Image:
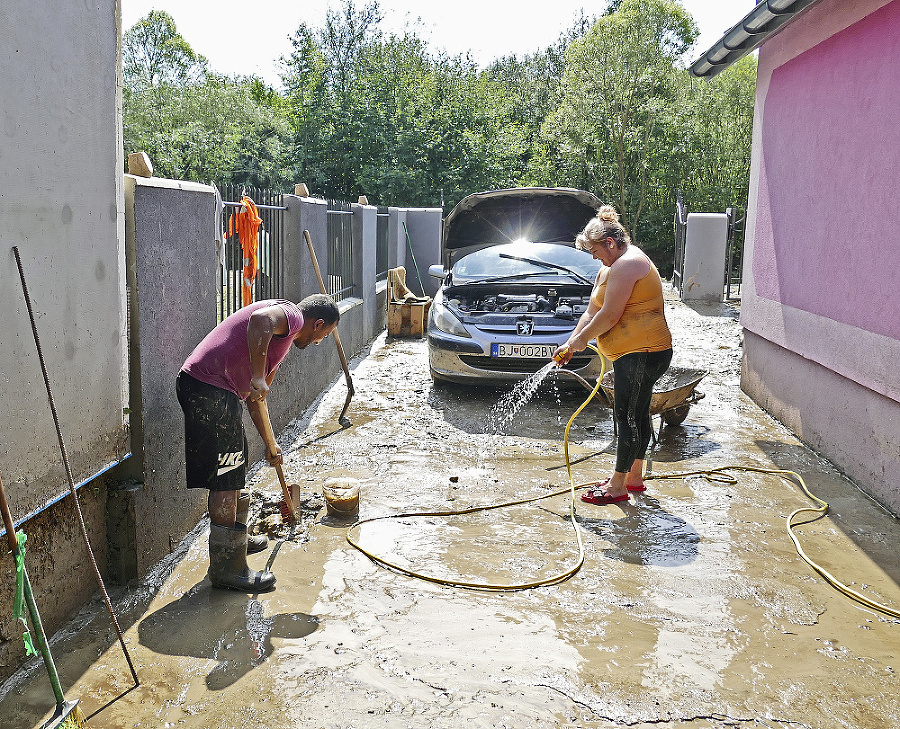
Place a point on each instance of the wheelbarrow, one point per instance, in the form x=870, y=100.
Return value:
x=673, y=395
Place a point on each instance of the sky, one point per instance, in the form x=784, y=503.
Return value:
x=236, y=42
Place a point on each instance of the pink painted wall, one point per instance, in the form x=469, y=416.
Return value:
x=820, y=303
x=822, y=254
x=828, y=239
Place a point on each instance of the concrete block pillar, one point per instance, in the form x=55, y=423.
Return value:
x=424, y=226
x=294, y=248
x=305, y=214
x=705, y=246
x=171, y=255
x=365, y=263
x=396, y=237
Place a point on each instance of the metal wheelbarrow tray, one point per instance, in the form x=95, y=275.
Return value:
x=672, y=397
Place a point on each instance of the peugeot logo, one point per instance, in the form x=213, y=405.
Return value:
x=524, y=327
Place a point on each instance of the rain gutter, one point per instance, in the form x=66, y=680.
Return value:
x=760, y=24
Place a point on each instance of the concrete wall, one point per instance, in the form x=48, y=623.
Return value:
x=305, y=374
x=172, y=281
x=819, y=297
x=424, y=226
x=171, y=257
x=61, y=204
x=706, y=240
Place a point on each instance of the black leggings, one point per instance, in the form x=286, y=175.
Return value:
x=635, y=375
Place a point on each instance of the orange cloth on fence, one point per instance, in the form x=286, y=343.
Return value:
x=246, y=224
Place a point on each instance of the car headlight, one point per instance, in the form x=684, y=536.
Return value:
x=444, y=320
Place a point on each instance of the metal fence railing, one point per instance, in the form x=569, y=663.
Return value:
x=269, y=281
x=382, y=258
x=680, y=236
x=339, y=283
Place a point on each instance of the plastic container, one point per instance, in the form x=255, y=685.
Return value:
x=341, y=497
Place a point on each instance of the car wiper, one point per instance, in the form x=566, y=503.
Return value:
x=508, y=277
x=545, y=264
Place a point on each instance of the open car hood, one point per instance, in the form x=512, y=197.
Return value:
x=540, y=214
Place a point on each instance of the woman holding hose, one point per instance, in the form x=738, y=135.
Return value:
x=626, y=315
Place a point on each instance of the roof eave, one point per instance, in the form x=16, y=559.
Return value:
x=760, y=24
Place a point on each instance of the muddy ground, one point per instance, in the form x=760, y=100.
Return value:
x=692, y=607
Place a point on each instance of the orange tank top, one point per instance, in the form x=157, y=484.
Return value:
x=643, y=326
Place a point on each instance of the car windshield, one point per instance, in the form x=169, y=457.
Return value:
x=506, y=260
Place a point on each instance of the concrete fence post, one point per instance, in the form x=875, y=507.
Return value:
x=705, y=246
x=424, y=227
x=365, y=263
x=396, y=237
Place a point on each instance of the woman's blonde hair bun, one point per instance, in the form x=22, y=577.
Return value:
x=608, y=214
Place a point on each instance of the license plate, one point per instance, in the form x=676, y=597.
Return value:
x=523, y=351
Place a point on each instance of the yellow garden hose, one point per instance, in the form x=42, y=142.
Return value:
x=553, y=579
x=718, y=475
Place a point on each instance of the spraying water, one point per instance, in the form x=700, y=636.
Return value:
x=511, y=403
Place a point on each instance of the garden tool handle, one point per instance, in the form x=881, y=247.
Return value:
x=36, y=624
x=7, y=521
x=342, y=419
x=269, y=439
x=337, y=338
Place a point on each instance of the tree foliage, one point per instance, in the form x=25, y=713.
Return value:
x=618, y=93
x=193, y=123
x=607, y=107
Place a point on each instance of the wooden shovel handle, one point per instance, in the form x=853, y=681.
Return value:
x=337, y=338
x=7, y=521
x=269, y=439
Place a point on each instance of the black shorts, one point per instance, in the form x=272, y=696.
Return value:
x=215, y=445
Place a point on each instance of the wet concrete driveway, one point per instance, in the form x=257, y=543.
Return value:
x=692, y=607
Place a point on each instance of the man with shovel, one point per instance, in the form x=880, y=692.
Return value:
x=237, y=361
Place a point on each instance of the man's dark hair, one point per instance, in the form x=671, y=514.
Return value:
x=320, y=306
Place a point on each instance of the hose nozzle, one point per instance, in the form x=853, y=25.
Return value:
x=560, y=355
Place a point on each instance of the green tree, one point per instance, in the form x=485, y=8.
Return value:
x=195, y=124
x=529, y=90
x=608, y=107
x=155, y=54
x=378, y=114
x=321, y=77
x=617, y=94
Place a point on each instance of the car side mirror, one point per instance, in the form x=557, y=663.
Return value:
x=437, y=271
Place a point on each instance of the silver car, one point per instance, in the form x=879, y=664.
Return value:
x=513, y=285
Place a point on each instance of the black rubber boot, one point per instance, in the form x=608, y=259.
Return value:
x=228, y=562
x=255, y=542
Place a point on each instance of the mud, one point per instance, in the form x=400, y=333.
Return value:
x=692, y=608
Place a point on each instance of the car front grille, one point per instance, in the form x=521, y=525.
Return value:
x=520, y=366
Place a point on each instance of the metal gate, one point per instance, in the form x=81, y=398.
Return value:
x=680, y=236
x=734, y=258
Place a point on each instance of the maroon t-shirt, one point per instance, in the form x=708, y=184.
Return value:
x=222, y=359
